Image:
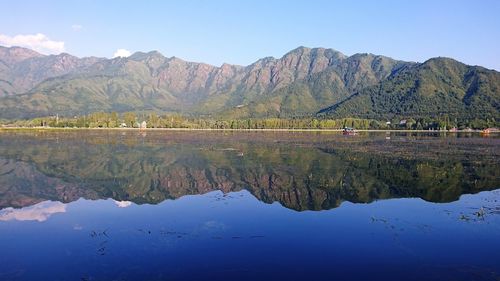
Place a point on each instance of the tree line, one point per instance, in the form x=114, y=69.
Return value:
x=154, y=120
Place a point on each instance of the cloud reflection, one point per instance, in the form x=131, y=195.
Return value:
x=123, y=204
x=38, y=212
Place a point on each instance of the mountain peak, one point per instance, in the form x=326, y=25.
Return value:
x=440, y=61
x=314, y=52
x=139, y=56
x=11, y=55
x=298, y=50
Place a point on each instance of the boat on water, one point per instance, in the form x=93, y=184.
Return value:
x=490, y=131
x=348, y=131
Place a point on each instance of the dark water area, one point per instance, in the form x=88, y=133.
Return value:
x=163, y=205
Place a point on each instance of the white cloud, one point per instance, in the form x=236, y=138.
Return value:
x=38, y=212
x=121, y=53
x=38, y=42
x=77, y=27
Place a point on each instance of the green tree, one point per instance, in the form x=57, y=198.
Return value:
x=130, y=119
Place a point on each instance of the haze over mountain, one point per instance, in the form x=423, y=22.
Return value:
x=304, y=82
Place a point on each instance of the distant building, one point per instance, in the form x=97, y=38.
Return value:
x=402, y=122
x=388, y=123
x=123, y=125
x=143, y=125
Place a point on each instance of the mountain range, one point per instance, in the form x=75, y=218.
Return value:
x=304, y=82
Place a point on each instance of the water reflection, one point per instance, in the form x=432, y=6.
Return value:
x=234, y=236
x=123, y=204
x=38, y=212
x=300, y=171
x=245, y=206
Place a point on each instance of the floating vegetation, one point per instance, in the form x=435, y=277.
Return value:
x=95, y=233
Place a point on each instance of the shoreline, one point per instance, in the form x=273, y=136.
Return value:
x=225, y=130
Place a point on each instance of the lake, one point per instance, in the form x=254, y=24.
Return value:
x=173, y=205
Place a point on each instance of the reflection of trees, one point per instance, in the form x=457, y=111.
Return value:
x=312, y=176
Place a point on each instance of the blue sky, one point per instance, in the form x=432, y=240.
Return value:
x=241, y=32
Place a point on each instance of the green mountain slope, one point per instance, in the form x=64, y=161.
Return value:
x=302, y=83
x=436, y=87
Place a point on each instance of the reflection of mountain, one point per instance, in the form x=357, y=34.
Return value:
x=301, y=174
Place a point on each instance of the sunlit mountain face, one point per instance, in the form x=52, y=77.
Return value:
x=304, y=82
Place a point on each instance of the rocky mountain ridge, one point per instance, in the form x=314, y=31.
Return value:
x=303, y=82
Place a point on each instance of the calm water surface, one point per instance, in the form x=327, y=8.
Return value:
x=125, y=205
